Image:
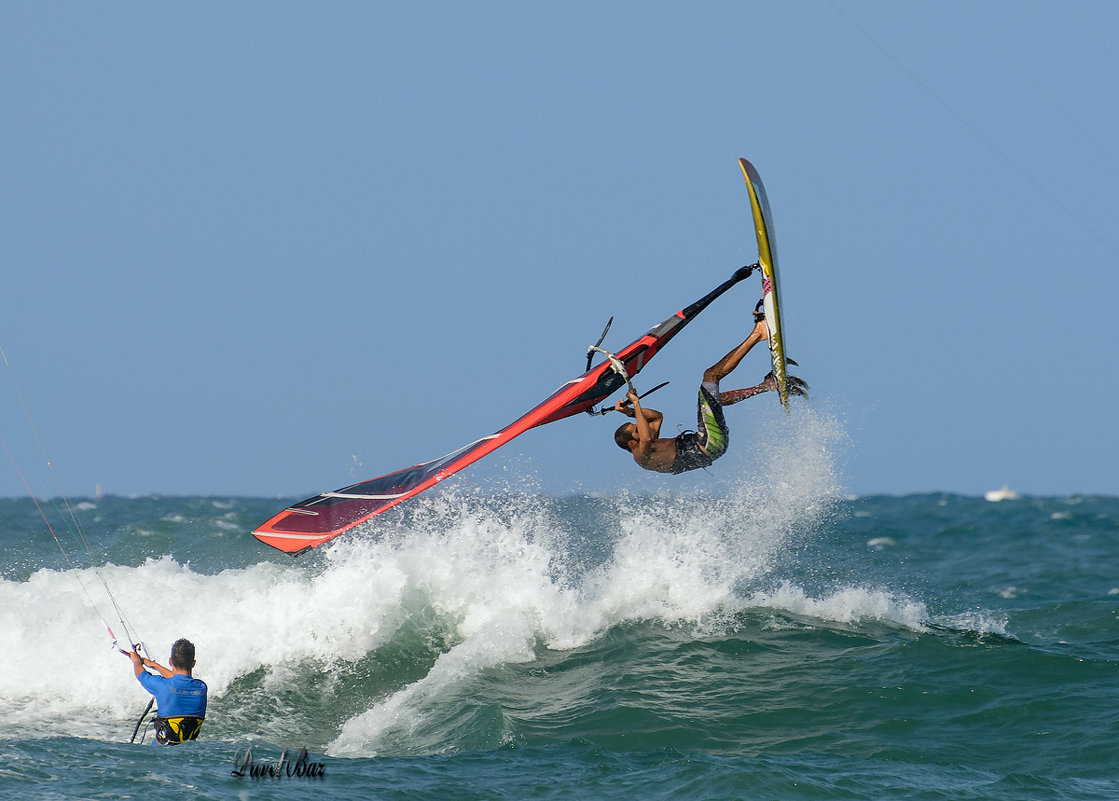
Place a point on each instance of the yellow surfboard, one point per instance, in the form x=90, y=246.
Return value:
x=767, y=259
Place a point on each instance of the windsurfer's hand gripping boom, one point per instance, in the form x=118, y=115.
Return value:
x=623, y=406
x=648, y=420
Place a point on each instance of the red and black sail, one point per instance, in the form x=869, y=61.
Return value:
x=316, y=520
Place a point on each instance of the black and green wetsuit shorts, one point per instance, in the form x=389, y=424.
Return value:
x=699, y=448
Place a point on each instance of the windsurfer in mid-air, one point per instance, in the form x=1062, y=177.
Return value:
x=694, y=449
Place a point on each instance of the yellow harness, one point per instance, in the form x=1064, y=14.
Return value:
x=172, y=731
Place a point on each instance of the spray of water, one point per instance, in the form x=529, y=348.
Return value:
x=466, y=582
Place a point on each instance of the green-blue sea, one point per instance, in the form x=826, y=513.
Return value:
x=781, y=641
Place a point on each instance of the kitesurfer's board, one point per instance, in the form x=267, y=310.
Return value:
x=767, y=259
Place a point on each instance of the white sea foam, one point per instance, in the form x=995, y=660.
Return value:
x=502, y=578
x=674, y=559
x=56, y=664
x=847, y=605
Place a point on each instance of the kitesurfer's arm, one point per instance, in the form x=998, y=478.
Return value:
x=164, y=672
x=139, y=663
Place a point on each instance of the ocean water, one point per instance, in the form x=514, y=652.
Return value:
x=779, y=640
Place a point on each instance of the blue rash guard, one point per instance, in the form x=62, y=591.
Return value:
x=177, y=696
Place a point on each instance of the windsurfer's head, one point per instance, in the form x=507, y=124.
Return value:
x=182, y=655
x=625, y=435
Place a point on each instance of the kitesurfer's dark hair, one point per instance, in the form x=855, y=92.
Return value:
x=182, y=654
x=624, y=436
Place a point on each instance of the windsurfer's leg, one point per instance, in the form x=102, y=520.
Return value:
x=725, y=365
x=732, y=396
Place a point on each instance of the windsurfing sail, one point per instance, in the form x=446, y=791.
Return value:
x=316, y=520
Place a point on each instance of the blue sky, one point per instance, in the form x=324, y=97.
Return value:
x=268, y=248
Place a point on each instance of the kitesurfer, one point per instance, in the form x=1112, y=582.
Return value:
x=179, y=697
x=693, y=449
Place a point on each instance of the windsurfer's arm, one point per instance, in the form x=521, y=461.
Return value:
x=648, y=425
x=648, y=420
x=629, y=408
